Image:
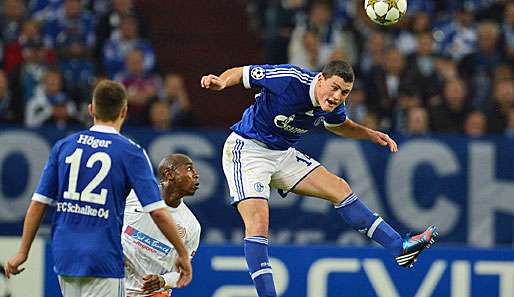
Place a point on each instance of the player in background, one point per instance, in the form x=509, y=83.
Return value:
x=149, y=257
x=88, y=177
x=260, y=153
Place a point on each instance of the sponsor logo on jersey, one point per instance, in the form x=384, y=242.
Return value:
x=283, y=122
x=319, y=121
x=146, y=242
x=257, y=73
x=181, y=231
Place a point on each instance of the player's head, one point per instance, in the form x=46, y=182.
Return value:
x=109, y=102
x=334, y=85
x=178, y=173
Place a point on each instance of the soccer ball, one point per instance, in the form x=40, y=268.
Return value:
x=385, y=12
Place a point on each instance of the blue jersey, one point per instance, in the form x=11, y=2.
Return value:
x=88, y=176
x=285, y=108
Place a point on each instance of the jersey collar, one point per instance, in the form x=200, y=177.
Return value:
x=311, y=90
x=103, y=129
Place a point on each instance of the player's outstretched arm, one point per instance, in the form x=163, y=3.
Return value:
x=167, y=225
x=31, y=224
x=229, y=78
x=353, y=130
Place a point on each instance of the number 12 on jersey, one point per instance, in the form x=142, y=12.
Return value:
x=86, y=195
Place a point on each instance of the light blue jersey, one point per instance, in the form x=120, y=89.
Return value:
x=285, y=108
x=87, y=177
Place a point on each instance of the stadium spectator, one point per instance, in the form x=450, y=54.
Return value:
x=422, y=69
x=31, y=71
x=498, y=111
x=109, y=23
x=10, y=107
x=116, y=49
x=417, y=122
x=61, y=118
x=407, y=100
x=159, y=116
x=39, y=107
x=14, y=50
x=458, y=37
x=308, y=53
x=475, y=124
x=373, y=53
x=277, y=20
x=11, y=20
x=142, y=87
x=418, y=23
x=78, y=69
x=71, y=20
x=320, y=21
x=42, y=10
x=385, y=82
x=449, y=115
x=477, y=68
x=175, y=93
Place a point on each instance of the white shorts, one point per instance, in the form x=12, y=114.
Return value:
x=91, y=286
x=251, y=168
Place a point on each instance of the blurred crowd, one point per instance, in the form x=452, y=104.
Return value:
x=446, y=67
x=54, y=51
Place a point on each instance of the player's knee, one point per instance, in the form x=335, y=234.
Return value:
x=257, y=228
x=340, y=194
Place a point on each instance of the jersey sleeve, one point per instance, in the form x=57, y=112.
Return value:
x=48, y=187
x=337, y=117
x=142, y=180
x=274, y=78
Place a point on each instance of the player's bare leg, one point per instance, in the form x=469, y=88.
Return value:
x=321, y=183
x=255, y=215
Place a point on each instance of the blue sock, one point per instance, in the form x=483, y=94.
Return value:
x=256, y=252
x=356, y=214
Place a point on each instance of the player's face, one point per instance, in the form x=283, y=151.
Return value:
x=332, y=92
x=187, y=179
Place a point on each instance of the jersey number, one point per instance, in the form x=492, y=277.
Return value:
x=87, y=195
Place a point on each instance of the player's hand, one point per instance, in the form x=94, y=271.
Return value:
x=152, y=283
x=383, y=140
x=183, y=264
x=212, y=82
x=12, y=267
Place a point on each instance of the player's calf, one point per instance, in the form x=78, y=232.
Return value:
x=256, y=252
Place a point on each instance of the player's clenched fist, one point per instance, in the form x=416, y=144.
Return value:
x=212, y=82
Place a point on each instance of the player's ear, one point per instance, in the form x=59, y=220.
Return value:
x=90, y=109
x=170, y=174
x=123, y=112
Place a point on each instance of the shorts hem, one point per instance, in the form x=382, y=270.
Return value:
x=284, y=193
x=234, y=203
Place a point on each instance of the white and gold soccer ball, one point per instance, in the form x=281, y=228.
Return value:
x=385, y=12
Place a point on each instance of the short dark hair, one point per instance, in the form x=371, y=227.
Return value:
x=171, y=162
x=340, y=68
x=109, y=97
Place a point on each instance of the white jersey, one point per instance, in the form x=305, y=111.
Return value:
x=146, y=249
